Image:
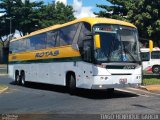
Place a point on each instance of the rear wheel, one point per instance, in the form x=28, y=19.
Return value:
x=156, y=69
x=23, y=79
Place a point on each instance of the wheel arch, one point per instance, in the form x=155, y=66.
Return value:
x=67, y=78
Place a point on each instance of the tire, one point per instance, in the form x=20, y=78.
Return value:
x=72, y=84
x=156, y=69
x=17, y=78
x=23, y=82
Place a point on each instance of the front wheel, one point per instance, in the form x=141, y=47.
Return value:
x=72, y=84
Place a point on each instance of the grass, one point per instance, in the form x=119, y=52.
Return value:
x=151, y=80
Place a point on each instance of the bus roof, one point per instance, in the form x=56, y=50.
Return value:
x=89, y=20
x=147, y=49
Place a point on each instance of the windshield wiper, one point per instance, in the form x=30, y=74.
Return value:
x=127, y=51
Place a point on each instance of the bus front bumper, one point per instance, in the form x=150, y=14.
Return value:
x=115, y=86
x=105, y=82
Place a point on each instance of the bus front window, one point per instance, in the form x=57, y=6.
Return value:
x=118, y=44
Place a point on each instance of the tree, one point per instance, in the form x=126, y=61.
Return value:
x=143, y=13
x=118, y=10
x=4, y=31
x=29, y=16
x=5, y=6
x=58, y=13
x=23, y=16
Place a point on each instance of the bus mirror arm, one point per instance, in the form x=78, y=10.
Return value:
x=88, y=36
x=75, y=46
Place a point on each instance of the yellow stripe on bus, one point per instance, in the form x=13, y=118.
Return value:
x=59, y=52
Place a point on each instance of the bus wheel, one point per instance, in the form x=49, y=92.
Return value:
x=17, y=78
x=72, y=84
x=156, y=69
x=23, y=79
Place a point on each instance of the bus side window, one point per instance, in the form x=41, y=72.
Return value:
x=52, y=39
x=86, y=28
x=67, y=34
x=14, y=46
x=155, y=55
x=145, y=56
x=40, y=41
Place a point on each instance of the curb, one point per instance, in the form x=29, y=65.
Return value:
x=143, y=88
x=151, y=87
x=4, y=89
x=3, y=74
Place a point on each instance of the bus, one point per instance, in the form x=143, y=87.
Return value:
x=89, y=53
x=150, y=60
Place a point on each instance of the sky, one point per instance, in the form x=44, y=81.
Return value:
x=82, y=8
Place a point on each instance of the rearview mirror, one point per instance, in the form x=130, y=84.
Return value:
x=97, y=41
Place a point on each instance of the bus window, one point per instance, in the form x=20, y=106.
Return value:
x=86, y=28
x=67, y=34
x=155, y=55
x=22, y=42
x=52, y=39
x=39, y=41
x=145, y=56
x=14, y=46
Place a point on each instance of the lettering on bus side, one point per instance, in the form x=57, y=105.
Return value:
x=47, y=54
x=14, y=57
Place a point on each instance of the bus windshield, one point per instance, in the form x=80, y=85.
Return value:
x=118, y=44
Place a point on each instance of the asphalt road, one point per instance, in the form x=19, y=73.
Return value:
x=40, y=98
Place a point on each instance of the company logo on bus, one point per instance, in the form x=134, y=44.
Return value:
x=47, y=54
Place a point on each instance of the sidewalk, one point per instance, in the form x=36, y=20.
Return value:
x=3, y=88
x=3, y=69
x=151, y=88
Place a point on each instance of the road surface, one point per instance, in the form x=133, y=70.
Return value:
x=50, y=99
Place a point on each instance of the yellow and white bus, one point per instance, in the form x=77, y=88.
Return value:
x=91, y=53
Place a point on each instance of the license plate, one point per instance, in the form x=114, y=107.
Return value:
x=123, y=80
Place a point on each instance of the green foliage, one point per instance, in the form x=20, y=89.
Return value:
x=30, y=16
x=151, y=81
x=143, y=13
x=55, y=14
